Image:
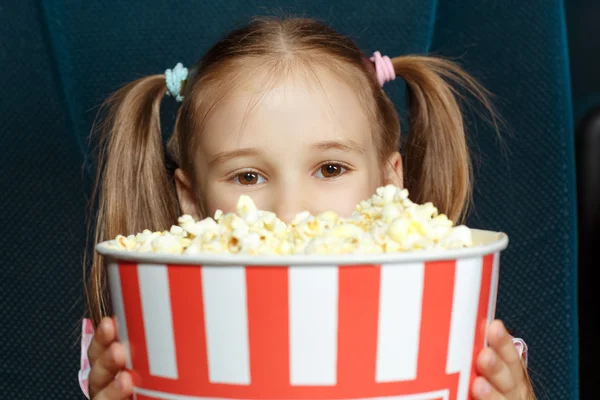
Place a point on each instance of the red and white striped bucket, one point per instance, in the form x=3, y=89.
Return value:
x=395, y=327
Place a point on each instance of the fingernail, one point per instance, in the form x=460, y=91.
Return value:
x=491, y=360
x=118, y=383
x=111, y=354
x=500, y=331
x=484, y=387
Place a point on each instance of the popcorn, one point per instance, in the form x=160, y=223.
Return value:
x=167, y=244
x=398, y=230
x=178, y=231
x=388, y=222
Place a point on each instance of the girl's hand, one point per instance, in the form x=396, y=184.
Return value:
x=107, y=380
x=503, y=376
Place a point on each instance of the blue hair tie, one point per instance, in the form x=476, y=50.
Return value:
x=175, y=78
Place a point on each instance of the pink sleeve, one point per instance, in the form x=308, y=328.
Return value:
x=87, y=333
x=521, y=348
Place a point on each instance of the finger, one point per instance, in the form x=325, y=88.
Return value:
x=493, y=368
x=483, y=390
x=105, y=334
x=107, y=367
x=500, y=341
x=120, y=388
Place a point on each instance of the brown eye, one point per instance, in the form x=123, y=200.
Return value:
x=330, y=171
x=248, y=178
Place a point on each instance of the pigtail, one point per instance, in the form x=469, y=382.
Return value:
x=133, y=191
x=437, y=164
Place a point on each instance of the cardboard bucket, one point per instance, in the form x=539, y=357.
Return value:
x=403, y=326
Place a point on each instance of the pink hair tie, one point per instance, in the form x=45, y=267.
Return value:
x=384, y=68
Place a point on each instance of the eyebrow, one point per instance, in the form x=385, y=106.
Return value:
x=224, y=156
x=343, y=145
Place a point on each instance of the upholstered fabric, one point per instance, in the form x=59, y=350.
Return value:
x=62, y=58
x=42, y=216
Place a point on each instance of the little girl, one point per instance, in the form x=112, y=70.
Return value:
x=292, y=114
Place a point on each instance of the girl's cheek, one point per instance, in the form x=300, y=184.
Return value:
x=343, y=199
x=216, y=199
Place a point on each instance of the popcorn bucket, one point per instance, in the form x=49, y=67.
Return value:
x=403, y=326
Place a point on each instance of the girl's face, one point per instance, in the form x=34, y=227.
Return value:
x=303, y=145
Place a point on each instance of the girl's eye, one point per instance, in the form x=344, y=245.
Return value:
x=331, y=170
x=248, y=178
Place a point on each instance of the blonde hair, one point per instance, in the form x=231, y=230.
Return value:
x=134, y=190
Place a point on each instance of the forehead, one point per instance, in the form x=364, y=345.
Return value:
x=303, y=105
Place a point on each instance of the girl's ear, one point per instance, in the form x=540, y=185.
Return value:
x=393, y=174
x=185, y=194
